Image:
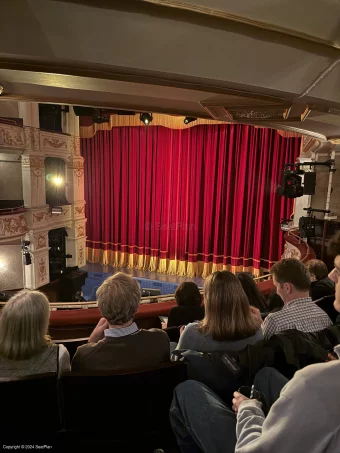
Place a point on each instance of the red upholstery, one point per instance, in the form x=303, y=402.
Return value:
x=92, y=315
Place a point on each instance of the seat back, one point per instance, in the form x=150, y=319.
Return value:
x=30, y=404
x=125, y=406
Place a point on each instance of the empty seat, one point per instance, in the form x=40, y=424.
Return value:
x=131, y=407
x=30, y=404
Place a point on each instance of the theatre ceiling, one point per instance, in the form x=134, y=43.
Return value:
x=273, y=63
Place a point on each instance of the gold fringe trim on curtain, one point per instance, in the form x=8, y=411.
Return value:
x=162, y=265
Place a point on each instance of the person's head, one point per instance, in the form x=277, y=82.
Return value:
x=334, y=249
x=249, y=286
x=227, y=310
x=119, y=298
x=291, y=279
x=188, y=294
x=24, y=325
x=317, y=269
x=334, y=275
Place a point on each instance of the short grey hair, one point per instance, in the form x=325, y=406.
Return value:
x=119, y=298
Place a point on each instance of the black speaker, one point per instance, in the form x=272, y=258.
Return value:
x=83, y=111
x=307, y=227
x=309, y=183
x=70, y=284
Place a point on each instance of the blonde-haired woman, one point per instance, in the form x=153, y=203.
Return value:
x=229, y=324
x=25, y=347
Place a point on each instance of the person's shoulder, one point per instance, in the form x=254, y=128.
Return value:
x=271, y=318
x=258, y=335
x=62, y=349
x=314, y=377
x=88, y=348
x=153, y=332
x=192, y=327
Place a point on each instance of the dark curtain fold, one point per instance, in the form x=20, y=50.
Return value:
x=189, y=201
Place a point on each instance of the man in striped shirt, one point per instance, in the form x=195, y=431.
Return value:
x=292, y=282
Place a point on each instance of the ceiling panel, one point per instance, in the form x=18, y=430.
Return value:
x=190, y=47
x=329, y=87
x=319, y=18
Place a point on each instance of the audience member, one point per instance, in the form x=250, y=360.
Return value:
x=305, y=417
x=322, y=288
x=321, y=285
x=116, y=343
x=25, y=347
x=189, y=309
x=249, y=286
x=230, y=323
x=292, y=282
x=274, y=302
x=334, y=249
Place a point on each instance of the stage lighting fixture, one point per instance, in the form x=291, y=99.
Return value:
x=56, y=210
x=291, y=185
x=189, y=119
x=1, y=89
x=146, y=118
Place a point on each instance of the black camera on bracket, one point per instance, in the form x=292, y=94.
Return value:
x=291, y=186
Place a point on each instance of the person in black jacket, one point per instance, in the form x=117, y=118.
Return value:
x=322, y=288
x=189, y=306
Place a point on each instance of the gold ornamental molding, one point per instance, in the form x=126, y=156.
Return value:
x=12, y=226
x=12, y=137
x=266, y=26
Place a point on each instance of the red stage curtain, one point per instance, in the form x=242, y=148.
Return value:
x=186, y=202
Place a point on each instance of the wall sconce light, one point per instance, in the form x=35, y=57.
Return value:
x=56, y=210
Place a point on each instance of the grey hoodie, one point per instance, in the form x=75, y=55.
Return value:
x=305, y=419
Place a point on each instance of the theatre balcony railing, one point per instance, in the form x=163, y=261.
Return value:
x=297, y=247
x=76, y=320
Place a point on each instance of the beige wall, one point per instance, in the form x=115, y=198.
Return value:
x=319, y=199
x=9, y=109
x=11, y=272
x=10, y=177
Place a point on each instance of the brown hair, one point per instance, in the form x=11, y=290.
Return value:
x=24, y=325
x=293, y=271
x=317, y=268
x=227, y=310
x=119, y=298
x=188, y=294
x=334, y=245
x=251, y=289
